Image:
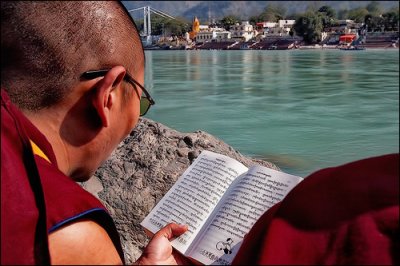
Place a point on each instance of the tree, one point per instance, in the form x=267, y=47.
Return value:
x=374, y=8
x=272, y=13
x=292, y=16
x=254, y=20
x=161, y=25
x=178, y=26
x=328, y=15
x=374, y=23
x=343, y=14
x=329, y=11
x=157, y=25
x=228, y=21
x=309, y=26
x=391, y=20
x=358, y=14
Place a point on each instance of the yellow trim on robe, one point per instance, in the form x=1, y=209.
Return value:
x=38, y=151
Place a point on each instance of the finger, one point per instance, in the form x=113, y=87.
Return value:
x=172, y=230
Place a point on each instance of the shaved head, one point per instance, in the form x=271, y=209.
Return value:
x=46, y=46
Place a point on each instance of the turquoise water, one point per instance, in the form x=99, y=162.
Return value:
x=303, y=110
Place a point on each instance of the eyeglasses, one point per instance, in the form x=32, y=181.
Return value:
x=145, y=101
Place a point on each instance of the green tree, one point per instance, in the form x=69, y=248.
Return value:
x=178, y=26
x=292, y=16
x=161, y=26
x=272, y=13
x=342, y=14
x=391, y=20
x=328, y=11
x=254, y=20
x=358, y=14
x=374, y=23
x=309, y=26
x=328, y=15
x=374, y=8
x=157, y=25
x=230, y=20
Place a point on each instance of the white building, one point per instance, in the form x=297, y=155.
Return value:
x=221, y=36
x=204, y=27
x=286, y=25
x=265, y=26
x=204, y=36
x=280, y=28
x=213, y=34
x=242, y=32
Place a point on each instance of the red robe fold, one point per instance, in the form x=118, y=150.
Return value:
x=36, y=198
x=342, y=215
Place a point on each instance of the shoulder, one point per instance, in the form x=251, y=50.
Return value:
x=83, y=242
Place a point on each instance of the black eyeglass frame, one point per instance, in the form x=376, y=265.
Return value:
x=92, y=74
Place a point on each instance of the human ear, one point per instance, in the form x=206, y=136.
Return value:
x=104, y=96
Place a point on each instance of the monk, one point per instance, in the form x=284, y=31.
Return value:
x=72, y=75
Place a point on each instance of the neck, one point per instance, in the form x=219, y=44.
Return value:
x=48, y=124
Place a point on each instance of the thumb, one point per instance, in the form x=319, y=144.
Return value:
x=172, y=230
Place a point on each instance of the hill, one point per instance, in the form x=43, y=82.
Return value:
x=214, y=10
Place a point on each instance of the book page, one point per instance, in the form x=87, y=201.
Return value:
x=246, y=200
x=194, y=196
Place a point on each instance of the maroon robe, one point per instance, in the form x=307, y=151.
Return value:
x=36, y=198
x=342, y=215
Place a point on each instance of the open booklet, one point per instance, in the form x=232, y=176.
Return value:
x=219, y=199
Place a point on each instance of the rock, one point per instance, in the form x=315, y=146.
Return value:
x=192, y=155
x=143, y=168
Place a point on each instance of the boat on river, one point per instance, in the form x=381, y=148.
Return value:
x=351, y=42
x=352, y=48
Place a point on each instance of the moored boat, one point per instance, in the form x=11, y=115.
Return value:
x=352, y=48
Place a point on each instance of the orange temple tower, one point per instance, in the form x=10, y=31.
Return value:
x=195, y=28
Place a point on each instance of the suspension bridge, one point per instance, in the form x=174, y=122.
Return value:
x=147, y=11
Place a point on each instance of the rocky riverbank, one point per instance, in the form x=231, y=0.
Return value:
x=142, y=169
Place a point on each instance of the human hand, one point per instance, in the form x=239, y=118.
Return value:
x=159, y=249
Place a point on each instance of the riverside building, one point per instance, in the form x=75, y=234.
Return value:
x=242, y=32
x=213, y=35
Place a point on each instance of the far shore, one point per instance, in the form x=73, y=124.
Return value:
x=218, y=46
x=303, y=47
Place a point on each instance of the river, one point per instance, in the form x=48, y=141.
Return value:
x=303, y=110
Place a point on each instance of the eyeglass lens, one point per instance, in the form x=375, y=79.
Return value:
x=144, y=105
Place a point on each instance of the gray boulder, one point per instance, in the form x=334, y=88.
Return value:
x=142, y=169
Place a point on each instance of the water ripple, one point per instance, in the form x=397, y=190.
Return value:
x=302, y=109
